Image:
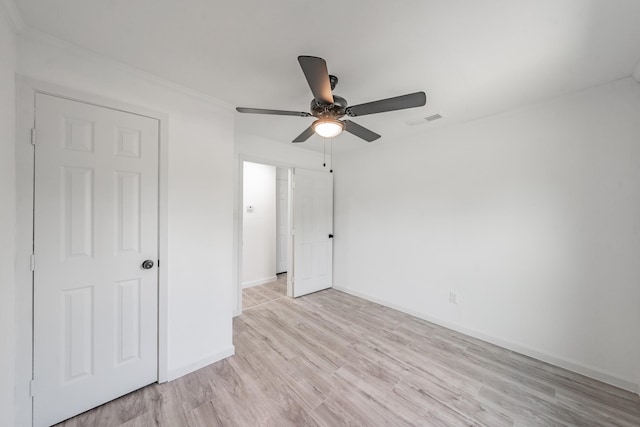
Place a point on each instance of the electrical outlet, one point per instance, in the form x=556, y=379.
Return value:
x=453, y=297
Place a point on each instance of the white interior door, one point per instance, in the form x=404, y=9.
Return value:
x=312, y=231
x=95, y=222
x=282, y=218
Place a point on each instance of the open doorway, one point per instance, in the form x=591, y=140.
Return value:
x=266, y=233
x=306, y=232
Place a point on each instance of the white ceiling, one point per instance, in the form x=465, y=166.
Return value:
x=472, y=58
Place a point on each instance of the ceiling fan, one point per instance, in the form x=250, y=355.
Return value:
x=329, y=108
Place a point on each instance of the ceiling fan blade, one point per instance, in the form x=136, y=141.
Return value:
x=360, y=131
x=273, y=112
x=305, y=135
x=315, y=70
x=411, y=100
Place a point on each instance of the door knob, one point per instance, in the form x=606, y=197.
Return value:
x=331, y=236
x=147, y=264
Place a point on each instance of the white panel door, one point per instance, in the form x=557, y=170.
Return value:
x=282, y=219
x=95, y=222
x=313, y=229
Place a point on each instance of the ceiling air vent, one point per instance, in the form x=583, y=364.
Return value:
x=423, y=120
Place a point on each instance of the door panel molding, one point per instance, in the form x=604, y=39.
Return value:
x=25, y=100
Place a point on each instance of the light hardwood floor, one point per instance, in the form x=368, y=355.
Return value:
x=264, y=293
x=331, y=359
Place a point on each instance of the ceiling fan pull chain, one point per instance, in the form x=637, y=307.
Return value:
x=331, y=155
x=324, y=152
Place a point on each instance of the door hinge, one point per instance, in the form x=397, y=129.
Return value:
x=32, y=262
x=33, y=136
x=32, y=388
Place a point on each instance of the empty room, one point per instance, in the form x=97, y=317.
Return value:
x=298, y=213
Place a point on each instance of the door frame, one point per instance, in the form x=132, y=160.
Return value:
x=25, y=119
x=279, y=214
x=240, y=218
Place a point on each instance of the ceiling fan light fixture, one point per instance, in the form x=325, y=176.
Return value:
x=328, y=128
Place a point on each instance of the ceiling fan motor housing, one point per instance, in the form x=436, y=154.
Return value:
x=334, y=111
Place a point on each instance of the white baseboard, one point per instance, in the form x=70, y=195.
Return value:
x=184, y=370
x=259, y=282
x=571, y=365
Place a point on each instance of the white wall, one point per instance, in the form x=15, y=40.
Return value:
x=200, y=197
x=259, y=224
x=7, y=220
x=532, y=217
x=277, y=153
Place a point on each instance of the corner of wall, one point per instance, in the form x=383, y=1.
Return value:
x=178, y=372
x=8, y=27
x=12, y=14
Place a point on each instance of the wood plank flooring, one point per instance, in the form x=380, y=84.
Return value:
x=264, y=293
x=331, y=359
